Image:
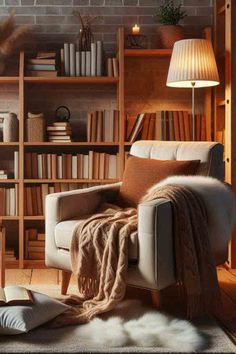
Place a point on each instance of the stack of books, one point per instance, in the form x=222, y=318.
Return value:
x=34, y=244
x=35, y=195
x=103, y=126
x=59, y=132
x=165, y=125
x=112, y=67
x=93, y=165
x=43, y=65
x=9, y=201
x=10, y=255
x=3, y=174
x=82, y=63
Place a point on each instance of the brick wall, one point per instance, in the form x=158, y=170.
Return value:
x=53, y=22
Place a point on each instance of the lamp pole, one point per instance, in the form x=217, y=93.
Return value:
x=193, y=111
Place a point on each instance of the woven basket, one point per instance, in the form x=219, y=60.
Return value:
x=169, y=34
x=35, y=127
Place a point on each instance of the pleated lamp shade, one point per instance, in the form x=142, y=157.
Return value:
x=192, y=61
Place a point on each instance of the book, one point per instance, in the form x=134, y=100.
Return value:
x=43, y=61
x=130, y=122
x=176, y=126
x=46, y=55
x=88, y=63
x=137, y=127
x=83, y=63
x=15, y=295
x=109, y=67
x=93, y=58
x=67, y=59
x=72, y=59
x=43, y=67
x=16, y=164
x=158, y=126
x=99, y=58
x=115, y=66
x=42, y=73
x=62, y=57
x=77, y=64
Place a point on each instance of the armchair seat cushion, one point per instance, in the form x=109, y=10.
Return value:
x=63, y=236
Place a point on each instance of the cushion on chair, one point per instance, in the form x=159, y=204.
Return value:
x=141, y=173
x=63, y=236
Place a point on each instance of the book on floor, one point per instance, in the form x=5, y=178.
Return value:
x=15, y=295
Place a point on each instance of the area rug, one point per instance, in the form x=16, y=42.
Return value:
x=129, y=328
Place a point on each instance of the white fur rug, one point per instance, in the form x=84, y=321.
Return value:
x=139, y=326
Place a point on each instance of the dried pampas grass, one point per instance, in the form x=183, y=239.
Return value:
x=12, y=37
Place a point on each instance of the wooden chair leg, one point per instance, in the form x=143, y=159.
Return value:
x=65, y=281
x=2, y=257
x=156, y=299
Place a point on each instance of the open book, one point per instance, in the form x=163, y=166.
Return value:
x=15, y=295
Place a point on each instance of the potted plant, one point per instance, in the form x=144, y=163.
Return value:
x=169, y=15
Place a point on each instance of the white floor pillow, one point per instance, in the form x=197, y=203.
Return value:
x=21, y=319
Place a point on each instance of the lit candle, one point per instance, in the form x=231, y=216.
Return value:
x=135, y=29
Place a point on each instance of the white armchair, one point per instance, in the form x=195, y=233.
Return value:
x=151, y=256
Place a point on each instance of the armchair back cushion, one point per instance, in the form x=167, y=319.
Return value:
x=140, y=174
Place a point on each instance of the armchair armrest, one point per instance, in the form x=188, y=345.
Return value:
x=67, y=205
x=155, y=268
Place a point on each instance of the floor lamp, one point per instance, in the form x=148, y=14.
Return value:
x=192, y=65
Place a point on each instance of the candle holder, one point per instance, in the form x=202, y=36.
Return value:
x=136, y=41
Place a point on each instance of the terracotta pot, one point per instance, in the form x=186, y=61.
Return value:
x=169, y=34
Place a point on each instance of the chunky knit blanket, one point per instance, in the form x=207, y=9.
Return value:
x=99, y=256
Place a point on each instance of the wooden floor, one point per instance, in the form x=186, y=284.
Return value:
x=227, y=280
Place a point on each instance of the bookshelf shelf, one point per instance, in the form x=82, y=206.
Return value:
x=9, y=218
x=147, y=53
x=36, y=217
x=9, y=79
x=61, y=80
x=8, y=181
x=75, y=143
x=71, y=181
x=8, y=144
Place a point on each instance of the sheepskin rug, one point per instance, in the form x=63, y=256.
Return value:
x=133, y=324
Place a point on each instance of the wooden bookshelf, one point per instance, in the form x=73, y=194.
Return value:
x=224, y=98
x=134, y=91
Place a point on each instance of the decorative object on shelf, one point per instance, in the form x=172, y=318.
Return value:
x=193, y=65
x=169, y=15
x=11, y=128
x=3, y=115
x=136, y=40
x=11, y=37
x=85, y=36
x=35, y=127
x=62, y=114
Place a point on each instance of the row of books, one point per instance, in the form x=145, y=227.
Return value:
x=112, y=67
x=93, y=165
x=5, y=174
x=59, y=132
x=43, y=65
x=103, y=126
x=165, y=125
x=34, y=244
x=82, y=63
x=35, y=195
x=9, y=201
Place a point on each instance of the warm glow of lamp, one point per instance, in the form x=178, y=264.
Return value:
x=136, y=29
x=193, y=65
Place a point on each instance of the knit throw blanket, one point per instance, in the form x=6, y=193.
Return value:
x=99, y=256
